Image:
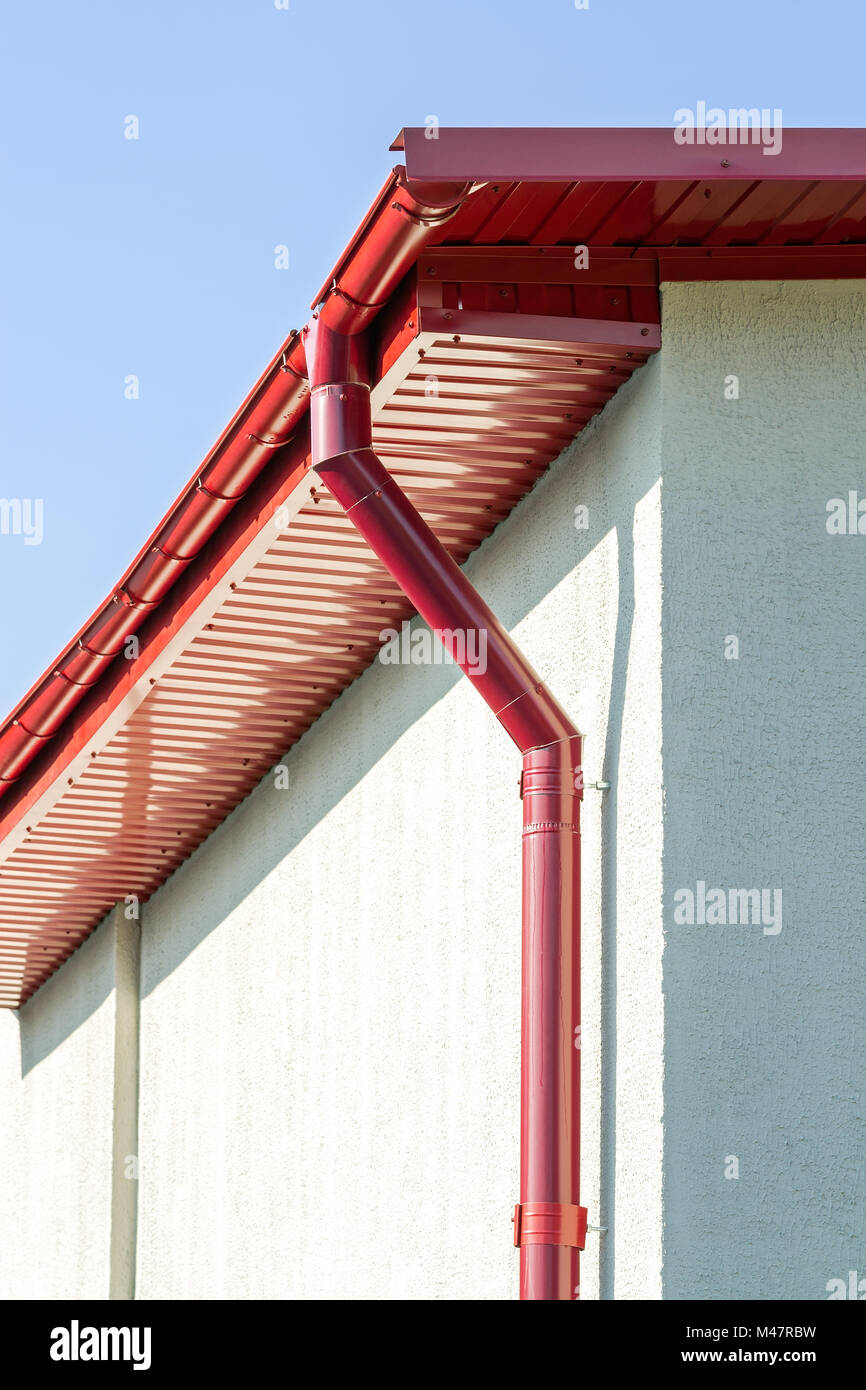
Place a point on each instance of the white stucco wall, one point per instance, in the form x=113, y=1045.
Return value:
x=56, y=1081
x=330, y=985
x=765, y=786
x=331, y=997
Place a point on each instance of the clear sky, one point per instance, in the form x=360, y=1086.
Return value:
x=261, y=127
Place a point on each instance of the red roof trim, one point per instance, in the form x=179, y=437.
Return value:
x=611, y=154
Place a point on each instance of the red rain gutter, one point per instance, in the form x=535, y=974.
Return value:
x=549, y=1223
x=395, y=229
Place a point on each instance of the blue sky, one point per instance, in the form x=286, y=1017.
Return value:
x=261, y=127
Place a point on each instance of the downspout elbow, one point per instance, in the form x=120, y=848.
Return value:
x=343, y=456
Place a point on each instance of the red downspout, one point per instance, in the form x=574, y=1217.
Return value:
x=549, y=1223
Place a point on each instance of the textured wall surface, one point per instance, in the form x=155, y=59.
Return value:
x=56, y=1069
x=330, y=986
x=765, y=785
x=331, y=998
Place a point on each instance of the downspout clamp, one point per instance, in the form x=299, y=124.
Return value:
x=549, y=1223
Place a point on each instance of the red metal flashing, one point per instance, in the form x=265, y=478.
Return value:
x=616, y=155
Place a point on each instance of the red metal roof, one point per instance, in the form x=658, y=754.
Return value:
x=255, y=601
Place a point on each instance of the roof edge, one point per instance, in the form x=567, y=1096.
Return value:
x=614, y=153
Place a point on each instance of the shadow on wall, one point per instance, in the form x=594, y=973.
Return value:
x=610, y=768
x=67, y=999
x=593, y=464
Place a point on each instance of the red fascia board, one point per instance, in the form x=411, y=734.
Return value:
x=592, y=337
x=641, y=266
x=607, y=155
x=758, y=262
x=542, y=265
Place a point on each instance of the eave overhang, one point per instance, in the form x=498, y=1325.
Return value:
x=255, y=604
